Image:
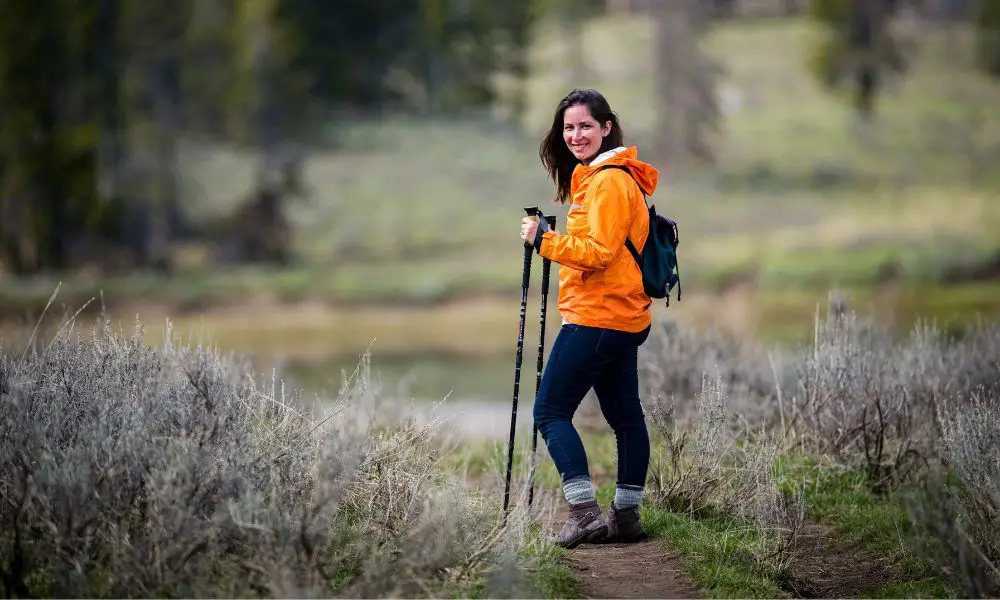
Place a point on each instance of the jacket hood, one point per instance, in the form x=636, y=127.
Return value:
x=645, y=174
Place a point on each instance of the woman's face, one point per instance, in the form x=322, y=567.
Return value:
x=582, y=133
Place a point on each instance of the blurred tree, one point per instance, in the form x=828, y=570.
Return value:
x=685, y=84
x=153, y=42
x=267, y=91
x=988, y=24
x=97, y=96
x=570, y=18
x=49, y=138
x=859, y=47
x=346, y=46
x=207, y=79
x=425, y=55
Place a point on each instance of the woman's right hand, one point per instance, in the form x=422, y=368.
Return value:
x=529, y=229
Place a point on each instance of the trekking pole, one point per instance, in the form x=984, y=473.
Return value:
x=546, y=269
x=525, y=279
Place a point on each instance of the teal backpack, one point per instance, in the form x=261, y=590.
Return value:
x=658, y=259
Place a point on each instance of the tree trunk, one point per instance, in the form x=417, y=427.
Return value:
x=685, y=84
x=109, y=103
x=163, y=188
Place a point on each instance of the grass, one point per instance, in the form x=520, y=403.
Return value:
x=130, y=469
x=844, y=499
x=757, y=515
x=185, y=401
x=551, y=578
x=723, y=554
x=245, y=317
x=395, y=220
x=714, y=554
x=871, y=525
x=715, y=548
x=877, y=523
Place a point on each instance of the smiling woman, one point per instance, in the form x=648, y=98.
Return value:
x=604, y=309
x=588, y=127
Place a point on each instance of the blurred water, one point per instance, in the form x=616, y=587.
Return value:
x=472, y=396
x=426, y=377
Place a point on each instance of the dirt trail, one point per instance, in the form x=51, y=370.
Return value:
x=824, y=568
x=642, y=570
x=821, y=568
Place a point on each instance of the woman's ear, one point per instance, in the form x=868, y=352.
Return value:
x=606, y=129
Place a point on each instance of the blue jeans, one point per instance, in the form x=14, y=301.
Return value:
x=605, y=360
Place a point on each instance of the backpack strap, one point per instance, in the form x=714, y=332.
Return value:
x=635, y=253
x=628, y=242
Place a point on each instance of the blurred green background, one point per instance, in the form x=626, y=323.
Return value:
x=301, y=181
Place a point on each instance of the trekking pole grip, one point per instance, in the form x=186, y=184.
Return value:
x=525, y=271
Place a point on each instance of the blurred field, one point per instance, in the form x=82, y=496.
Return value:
x=410, y=236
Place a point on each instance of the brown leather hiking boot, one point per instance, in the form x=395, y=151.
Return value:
x=624, y=525
x=586, y=523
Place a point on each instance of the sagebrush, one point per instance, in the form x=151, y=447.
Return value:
x=128, y=470
x=920, y=408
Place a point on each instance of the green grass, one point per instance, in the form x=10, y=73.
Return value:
x=550, y=577
x=728, y=558
x=395, y=283
x=714, y=551
x=843, y=499
x=251, y=319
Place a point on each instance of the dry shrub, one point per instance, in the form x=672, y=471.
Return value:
x=676, y=358
x=127, y=470
x=858, y=391
x=960, y=509
x=900, y=407
x=698, y=471
x=686, y=467
x=864, y=395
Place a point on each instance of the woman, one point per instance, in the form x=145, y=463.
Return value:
x=605, y=312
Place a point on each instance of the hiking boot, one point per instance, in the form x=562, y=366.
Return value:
x=624, y=525
x=586, y=523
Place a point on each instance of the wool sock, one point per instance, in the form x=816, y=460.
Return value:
x=628, y=496
x=578, y=490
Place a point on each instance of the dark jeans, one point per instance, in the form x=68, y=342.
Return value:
x=605, y=360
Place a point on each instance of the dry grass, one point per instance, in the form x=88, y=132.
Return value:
x=910, y=412
x=135, y=470
x=700, y=472
x=961, y=507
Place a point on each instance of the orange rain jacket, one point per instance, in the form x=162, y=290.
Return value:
x=600, y=284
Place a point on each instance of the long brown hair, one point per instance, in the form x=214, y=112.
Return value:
x=556, y=157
